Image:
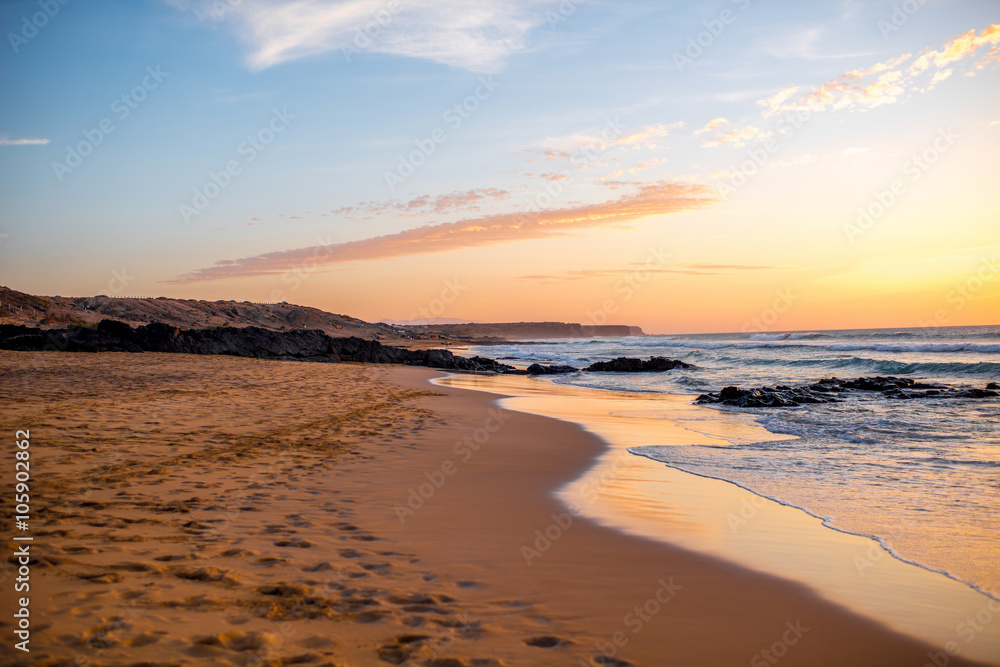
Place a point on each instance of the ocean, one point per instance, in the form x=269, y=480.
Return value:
x=920, y=476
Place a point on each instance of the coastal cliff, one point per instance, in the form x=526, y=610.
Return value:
x=528, y=330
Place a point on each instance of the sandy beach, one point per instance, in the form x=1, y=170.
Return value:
x=542, y=333
x=226, y=511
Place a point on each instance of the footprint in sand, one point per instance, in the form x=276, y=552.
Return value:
x=210, y=574
x=104, y=634
x=174, y=557
x=79, y=549
x=318, y=567
x=100, y=577
x=546, y=641
x=377, y=568
x=271, y=561
x=401, y=648
x=284, y=590
x=237, y=641
x=145, y=638
x=134, y=567
x=601, y=659
x=229, y=553
x=297, y=543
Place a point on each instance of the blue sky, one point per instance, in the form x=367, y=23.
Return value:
x=551, y=78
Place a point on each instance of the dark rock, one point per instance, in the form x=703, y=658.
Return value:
x=539, y=369
x=631, y=365
x=993, y=385
x=889, y=383
x=765, y=397
x=297, y=344
x=976, y=393
x=831, y=390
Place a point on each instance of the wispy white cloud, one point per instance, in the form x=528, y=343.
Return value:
x=642, y=165
x=7, y=141
x=476, y=36
x=605, y=137
x=855, y=150
x=800, y=44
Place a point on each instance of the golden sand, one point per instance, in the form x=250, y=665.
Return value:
x=226, y=511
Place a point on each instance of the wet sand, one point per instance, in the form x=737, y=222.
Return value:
x=222, y=511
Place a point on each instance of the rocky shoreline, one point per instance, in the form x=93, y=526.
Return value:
x=316, y=346
x=296, y=345
x=630, y=365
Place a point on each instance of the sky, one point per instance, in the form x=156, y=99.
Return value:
x=684, y=167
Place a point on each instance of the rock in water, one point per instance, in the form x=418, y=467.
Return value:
x=631, y=365
x=831, y=390
x=539, y=369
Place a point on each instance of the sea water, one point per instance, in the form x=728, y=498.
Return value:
x=922, y=476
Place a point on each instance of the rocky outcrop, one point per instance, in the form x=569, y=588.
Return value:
x=766, y=397
x=631, y=365
x=833, y=390
x=301, y=345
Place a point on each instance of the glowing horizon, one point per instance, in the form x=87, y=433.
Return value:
x=690, y=170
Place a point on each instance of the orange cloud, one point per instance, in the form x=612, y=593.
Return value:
x=739, y=137
x=888, y=82
x=960, y=48
x=713, y=124
x=466, y=201
x=470, y=200
x=775, y=102
x=647, y=136
x=645, y=200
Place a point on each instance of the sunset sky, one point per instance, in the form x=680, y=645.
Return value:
x=684, y=167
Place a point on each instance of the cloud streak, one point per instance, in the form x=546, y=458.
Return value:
x=645, y=200
x=680, y=269
x=464, y=202
x=7, y=141
x=475, y=36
